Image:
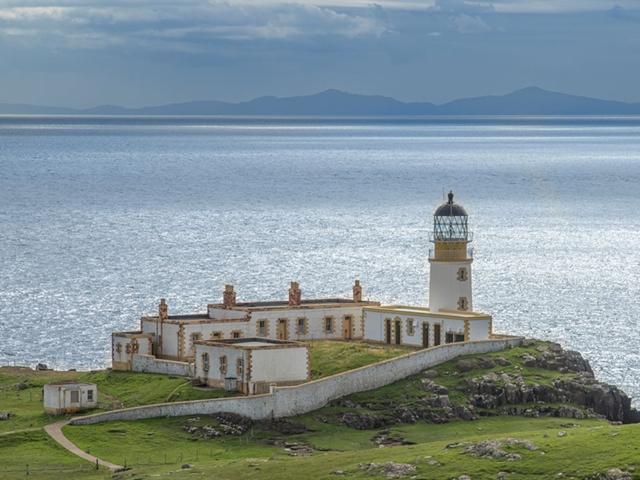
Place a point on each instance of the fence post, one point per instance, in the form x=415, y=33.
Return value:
x=97, y=465
x=27, y=470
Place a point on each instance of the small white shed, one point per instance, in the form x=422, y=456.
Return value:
x=251, y=365
x=69, y=397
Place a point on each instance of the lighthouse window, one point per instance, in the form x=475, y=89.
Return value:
x=223, y=364
x=301, y=326
x=205, y=362
x=463, y=274
x=411, y=328
x=448, y=337
x=463, y=304
x=328, y=325
x=262, y=328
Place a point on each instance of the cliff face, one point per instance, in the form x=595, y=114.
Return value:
x=538, y=379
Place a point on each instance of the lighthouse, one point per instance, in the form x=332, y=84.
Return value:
x=450, y=259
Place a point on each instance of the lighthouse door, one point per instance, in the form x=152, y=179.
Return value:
x=282, y=329
x=398, y=330
x=346, y=327
x=425, y=335
x=387, y=330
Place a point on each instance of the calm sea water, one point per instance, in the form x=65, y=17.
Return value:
x=99, y=217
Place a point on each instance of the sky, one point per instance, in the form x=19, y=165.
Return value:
x=83, y=53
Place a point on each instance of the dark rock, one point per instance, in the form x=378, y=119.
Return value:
x=233, y=424
x=387, y=439
x=41, y=367
x=5, y=415
x=431, y=386
x=466, y=364
x=430, y=373
x=363, y=421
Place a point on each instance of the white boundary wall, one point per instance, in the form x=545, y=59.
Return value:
x=296, y=400
x=151, y=364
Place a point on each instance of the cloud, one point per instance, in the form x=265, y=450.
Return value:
x=179, y=26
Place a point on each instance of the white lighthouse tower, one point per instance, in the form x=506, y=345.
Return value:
x=450, y=259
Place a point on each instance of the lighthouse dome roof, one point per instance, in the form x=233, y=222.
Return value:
x=450, y=209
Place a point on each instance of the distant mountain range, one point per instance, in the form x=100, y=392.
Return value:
x=527, y=101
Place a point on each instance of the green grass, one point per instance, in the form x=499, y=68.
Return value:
x=115, y=390
x=156, y=448
x=589, y=446
x=331, y=357
x=36, y=453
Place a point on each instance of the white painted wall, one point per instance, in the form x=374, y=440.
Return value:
x=279, y=365
x=214, y=376
x=151, y=364
x=444, y=287
x=300, y=399
x=57, y=398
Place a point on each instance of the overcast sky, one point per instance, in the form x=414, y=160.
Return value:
x=141, y=52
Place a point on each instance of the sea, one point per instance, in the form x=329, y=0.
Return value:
x=102, y=216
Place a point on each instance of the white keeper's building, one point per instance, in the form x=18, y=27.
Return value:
x=449, y=318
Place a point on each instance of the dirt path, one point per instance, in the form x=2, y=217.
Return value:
x=54, y=430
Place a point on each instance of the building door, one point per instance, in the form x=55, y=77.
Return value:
x=283, y=334
x=425, y=334
x=398, y=330
x=387, y=330
x=436, y=334
x=346, y=327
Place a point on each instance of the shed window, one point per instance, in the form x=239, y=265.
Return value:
x=448, y=337
x=75, y=396
x=458, y=337
x=90, y=395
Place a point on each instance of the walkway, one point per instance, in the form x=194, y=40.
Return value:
x=54, y=430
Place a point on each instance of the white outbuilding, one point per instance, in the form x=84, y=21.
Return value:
x=251, y=365
x=69, y=397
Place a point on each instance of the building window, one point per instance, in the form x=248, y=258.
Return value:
x=262, y=328
x=223, y=364
x=328, y=324
x=127, y=349
x=458, y=337
x=463, y=304
x=75, y=396
x=90, y=395
x=301, y=326
x=236, y=334
x=240, y=368
x=135, y=347
x=411, y=327
x=448, y=337
x=463, y=274
x=216, y=335
x=205, y=362
x=118, y=348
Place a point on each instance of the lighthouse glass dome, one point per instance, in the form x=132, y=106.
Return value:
x=451, y=223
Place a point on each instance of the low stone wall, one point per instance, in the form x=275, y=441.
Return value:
x=296, y=400
x=151, y=364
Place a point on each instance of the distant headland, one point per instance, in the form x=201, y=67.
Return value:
x=526, y=101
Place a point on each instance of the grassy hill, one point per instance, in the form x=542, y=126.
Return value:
x=443, y=423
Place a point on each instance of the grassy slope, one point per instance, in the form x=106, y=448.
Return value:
x=331, y=357
x=29, y=445
x=589, y=446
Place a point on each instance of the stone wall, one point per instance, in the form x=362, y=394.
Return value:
x=151, y=364
x=296, y=400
